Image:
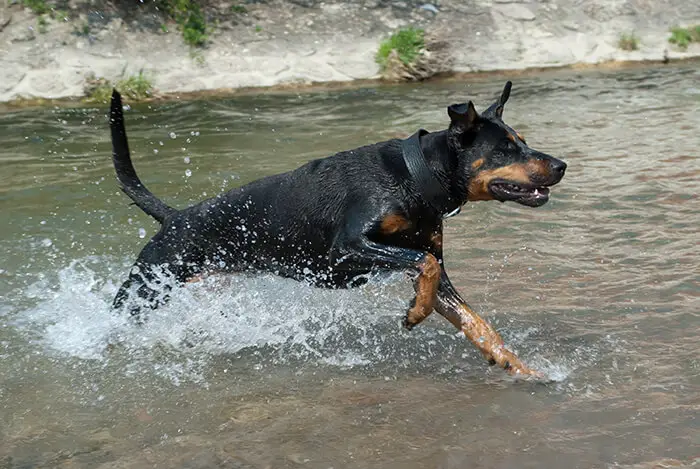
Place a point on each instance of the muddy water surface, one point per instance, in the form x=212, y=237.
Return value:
x=599, y=289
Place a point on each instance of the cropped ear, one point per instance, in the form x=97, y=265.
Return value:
x=463, y=115
x=503, y=99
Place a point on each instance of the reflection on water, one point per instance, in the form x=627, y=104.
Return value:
x=599, y=288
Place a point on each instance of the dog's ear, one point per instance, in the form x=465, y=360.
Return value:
x=463, y=116
x=503, y=99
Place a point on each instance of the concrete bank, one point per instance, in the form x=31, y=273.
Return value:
x=297, y=42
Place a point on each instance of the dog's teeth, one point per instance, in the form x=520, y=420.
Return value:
x=537, y=192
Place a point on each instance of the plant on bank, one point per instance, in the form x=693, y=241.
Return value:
x=682, y=37
x=628, y=42
x=41, y=9
x=135, y=87
x=407, y=43
x=410, y=54
x=189, y=17
x=38, y=7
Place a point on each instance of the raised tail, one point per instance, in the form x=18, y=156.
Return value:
x=126, y=174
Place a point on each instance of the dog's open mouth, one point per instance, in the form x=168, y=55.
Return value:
x=530, y=195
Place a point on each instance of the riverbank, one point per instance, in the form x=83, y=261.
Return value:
x=296, y=43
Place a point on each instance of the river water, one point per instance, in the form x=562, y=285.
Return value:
x=599, y=289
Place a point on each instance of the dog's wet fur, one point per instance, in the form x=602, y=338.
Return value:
x=333, y=220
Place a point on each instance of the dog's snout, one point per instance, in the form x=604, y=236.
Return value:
x=558, y=167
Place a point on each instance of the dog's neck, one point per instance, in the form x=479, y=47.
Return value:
x=446, y=164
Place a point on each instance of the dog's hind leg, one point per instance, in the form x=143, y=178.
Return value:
x=451, y=305
x=146, y=281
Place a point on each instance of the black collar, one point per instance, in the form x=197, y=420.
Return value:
x=427, y=184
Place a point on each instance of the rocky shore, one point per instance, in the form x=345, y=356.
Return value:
x=262, y=43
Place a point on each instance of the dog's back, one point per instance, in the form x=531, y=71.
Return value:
x=287, y=223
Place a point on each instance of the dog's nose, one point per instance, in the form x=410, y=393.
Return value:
x=558, y=167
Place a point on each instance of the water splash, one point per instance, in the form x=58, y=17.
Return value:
x=264, y=320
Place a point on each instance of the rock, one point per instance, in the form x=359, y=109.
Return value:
x=5, y=21
x=303, y=3
x=515, y=11
x=571, y=25
x=10, y=77
x=429, y=7
x=23, y=35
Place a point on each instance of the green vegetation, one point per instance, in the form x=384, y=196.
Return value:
x=682, y=37
x=83, y=30
x=135, y=88
x=39, y=7
x=258, y=28
x=42, y=24
x=189, y=17
x=197, y=57
x=60, y=15
x=406, y=42
x=238, y=9
x=628, y=42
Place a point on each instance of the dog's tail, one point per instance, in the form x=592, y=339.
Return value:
x=126, y=174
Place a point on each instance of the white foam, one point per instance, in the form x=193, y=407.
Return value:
x=72, y=316
x=266, y=319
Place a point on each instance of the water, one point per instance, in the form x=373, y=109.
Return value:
x=599, y=289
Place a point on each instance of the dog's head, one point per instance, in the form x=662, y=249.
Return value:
x=497, y=162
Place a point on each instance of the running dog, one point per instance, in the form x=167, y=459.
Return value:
x=333, y=220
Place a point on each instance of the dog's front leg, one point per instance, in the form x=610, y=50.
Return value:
x=361, y=251
x=451, y=305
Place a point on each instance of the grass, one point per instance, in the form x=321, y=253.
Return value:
x=42, y=24
x=406, y=42
x=189, y=17
x=39, y=7
x=197, y=57
x=628, y=42
x=135, y=88
x=82, y=30
x=682, y=37
x=60, y=15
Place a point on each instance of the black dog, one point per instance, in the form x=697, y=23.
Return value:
x=333, y=220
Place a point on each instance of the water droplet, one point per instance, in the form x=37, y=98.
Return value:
x=188, y=172
x=186, y=159
x=155, y=151
x=173, y=135
x=142, y=233
x=46, y=242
